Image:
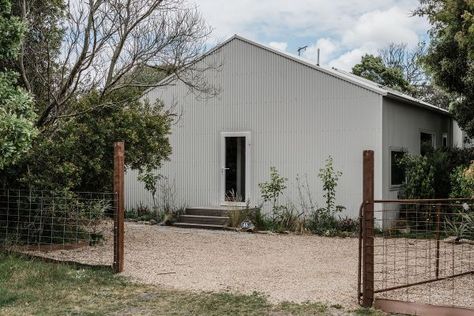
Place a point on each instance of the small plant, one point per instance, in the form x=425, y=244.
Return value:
x=305, y=198
x=461, y=226
x=324, y=220
x=329, y=177
x=150, y=180
x=273, y=189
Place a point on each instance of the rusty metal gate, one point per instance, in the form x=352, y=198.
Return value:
x=415, y=256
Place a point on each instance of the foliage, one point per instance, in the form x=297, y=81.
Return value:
x=288, y=218
x=451, y=53
x=150, y=180
x=420, y=174
x=373, y=68
x=45, y=217
x=165, y=208
x=273, y=189
x=462, y=182
x=79, y=155
x=16, y=120
x=329, y=177
x=16, y=112
x=12, y=30
x=305, y=197
x=89, y=88
x=431, y=175
x=461, y=225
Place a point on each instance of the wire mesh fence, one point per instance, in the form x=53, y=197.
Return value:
x=62, y=226
x=424, y=251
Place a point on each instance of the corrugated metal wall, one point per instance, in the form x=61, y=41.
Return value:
x=402, y=125
x=297, y=117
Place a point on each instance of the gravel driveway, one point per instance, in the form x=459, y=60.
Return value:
x=294, y=268
x=284, y=267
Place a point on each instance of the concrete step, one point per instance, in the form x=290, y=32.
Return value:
x=201, y=219
x=200, y=226
x=202, y=211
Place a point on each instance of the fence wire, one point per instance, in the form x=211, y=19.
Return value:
x=424, y=252
x=63, y=226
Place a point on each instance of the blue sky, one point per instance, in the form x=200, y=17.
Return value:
x=344, y=30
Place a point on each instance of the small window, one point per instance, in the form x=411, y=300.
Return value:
x=397, y=173
x=445, y=140
x=426, y=143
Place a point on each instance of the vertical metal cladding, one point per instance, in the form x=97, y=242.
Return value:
x=297, y=115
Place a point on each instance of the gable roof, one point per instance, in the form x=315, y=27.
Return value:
x=340, y=74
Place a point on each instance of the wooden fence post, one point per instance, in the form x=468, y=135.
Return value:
x=119, y=162
x=368, y=229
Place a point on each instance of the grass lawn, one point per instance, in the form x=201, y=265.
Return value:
x=32, y=287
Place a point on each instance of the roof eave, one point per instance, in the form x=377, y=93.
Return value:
x=418, y=103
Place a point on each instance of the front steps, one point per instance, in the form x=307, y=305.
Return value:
x=204, y=218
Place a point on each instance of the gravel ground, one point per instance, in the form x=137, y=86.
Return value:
x=294, y=268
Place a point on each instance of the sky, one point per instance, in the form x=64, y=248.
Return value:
x=343, y=30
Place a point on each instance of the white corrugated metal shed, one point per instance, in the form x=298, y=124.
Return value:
x=296, y=114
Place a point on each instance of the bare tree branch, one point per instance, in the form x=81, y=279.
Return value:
x=105, y=42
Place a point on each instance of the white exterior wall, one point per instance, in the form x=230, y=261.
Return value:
x=402, y=125
x=297, y=117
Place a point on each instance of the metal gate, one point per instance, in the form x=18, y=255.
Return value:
x=415, y=256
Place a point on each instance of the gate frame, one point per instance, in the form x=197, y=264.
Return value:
x=365, y=287
x=119, y=214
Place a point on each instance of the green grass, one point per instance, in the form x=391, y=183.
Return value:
x=33, y=287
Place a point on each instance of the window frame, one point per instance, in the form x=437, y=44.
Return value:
x=444, y=137
x=433, y=138
x=391, y=149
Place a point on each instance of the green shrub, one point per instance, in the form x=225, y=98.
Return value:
x=462, y=182
x=420, y=173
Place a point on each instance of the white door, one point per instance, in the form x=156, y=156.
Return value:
x=235, y=168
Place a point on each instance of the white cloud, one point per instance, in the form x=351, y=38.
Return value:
x=327, y=48
x=347, y=60
x=343, y=30
x=378, y=28
x=279, y=45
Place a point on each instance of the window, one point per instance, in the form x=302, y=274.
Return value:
x=445, y=139
x=426, y=143
x=397, y=172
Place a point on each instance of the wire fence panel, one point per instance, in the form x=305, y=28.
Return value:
x=424, y=251
x=63, y=226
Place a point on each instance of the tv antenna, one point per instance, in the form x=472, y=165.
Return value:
x=300, y=49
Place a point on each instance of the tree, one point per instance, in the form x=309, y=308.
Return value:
x=101, y=45
x=16, y=113
x=93, y=64
x=409, y=61
x=78, y=156
x=450, y=57
x=374, y=69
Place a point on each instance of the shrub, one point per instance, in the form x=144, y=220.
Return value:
x=420, y=173
x=462, y=182
x=430, y=176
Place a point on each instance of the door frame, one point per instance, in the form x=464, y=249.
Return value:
x=223, y=136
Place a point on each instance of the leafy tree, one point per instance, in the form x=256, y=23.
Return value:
x=450, y=58
x=16, y=113
x=373, y=68
x=88, y=65
x=79, y=155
